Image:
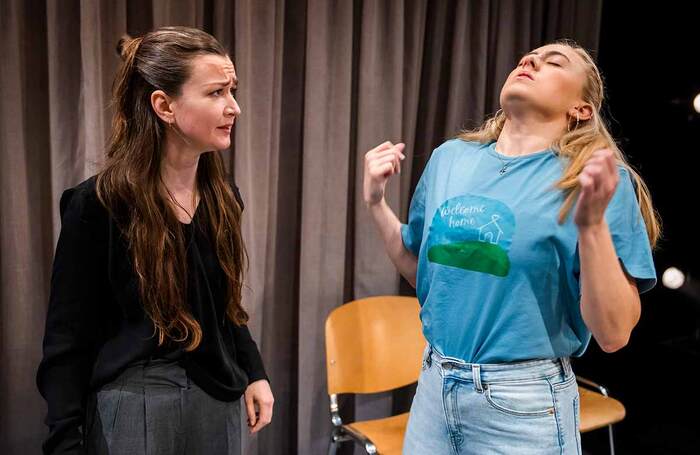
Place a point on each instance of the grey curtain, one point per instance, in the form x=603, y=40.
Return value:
x=321, y=83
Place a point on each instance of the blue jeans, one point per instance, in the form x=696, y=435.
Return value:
x=517, y=408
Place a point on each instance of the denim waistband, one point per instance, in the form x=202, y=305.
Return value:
x=499, y=372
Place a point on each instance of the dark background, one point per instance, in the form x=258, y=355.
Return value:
x=650, y=61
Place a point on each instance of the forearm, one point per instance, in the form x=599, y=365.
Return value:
x=64, y=372
x=64, y=387
x=389, y=228
x=247, y=353
x=609, y=303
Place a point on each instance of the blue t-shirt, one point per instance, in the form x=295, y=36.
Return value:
x=498, y=276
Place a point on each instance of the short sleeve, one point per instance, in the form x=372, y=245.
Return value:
x=412, y=232
x=629, y=233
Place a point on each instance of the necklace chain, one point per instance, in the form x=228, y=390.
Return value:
x=504, y=168
x=194, y=200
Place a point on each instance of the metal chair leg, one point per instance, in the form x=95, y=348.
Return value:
x=612, y=442
x=332, y=447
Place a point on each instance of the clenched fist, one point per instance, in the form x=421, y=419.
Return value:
x=381, y=163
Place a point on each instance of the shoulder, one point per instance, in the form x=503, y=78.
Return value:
x=626, y=180
x=456, y=146
x=81, y=201
x=451, y=150
x=230, y=179
x=624, y=172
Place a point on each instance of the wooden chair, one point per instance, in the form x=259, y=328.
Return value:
x=372, y=345
x=598, y=410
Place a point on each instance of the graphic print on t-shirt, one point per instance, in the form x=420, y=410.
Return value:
x=472, y=233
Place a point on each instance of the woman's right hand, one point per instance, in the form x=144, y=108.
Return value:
x=381, y=163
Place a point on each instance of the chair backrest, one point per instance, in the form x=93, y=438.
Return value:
x=373, y=345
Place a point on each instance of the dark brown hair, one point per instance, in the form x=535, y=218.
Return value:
x=130, y=186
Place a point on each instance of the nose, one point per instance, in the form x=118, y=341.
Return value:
x=233, y=109
x=529, y=60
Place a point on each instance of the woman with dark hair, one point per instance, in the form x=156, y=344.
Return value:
x=146, y=348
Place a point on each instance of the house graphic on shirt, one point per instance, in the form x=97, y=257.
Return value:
x=472, y=233
x=491, y=232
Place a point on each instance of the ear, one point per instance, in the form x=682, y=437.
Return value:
x=162, y=106
x=583, y=111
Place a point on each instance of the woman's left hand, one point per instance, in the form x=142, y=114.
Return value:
x=258, y=396
x=598, y=181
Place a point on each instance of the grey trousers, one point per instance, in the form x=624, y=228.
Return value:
x=153, y=408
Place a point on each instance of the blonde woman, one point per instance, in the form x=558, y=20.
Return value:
x=525, y=238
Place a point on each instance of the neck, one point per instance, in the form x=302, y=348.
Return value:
x=525, y=134
x=178, y=167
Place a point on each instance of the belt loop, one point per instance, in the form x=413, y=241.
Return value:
x=476, y=376
x=428, y=356
x=566, y=366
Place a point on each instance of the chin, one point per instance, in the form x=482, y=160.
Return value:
x=516, y=93
x=223, y=146
x=517, y=100
x=219, y=143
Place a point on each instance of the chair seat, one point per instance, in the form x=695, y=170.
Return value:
x=386, y=434
x=598, y=411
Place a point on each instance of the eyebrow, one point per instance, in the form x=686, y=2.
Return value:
x=549, y=53
x=235, y=82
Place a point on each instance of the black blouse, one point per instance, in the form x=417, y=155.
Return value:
x=96, y=325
